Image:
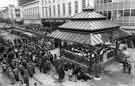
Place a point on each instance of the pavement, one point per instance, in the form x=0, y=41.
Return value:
x=111, y=78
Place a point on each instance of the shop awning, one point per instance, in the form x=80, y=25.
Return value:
x=129, y=29
x=89, y=25
x=91, y=39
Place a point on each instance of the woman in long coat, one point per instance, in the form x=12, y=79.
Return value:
x=59, y=66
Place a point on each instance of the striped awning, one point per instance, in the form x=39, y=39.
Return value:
x=89, y=25
x=91, y=39
x=88, y=15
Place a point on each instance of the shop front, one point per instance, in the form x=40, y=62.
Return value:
x=52, y=24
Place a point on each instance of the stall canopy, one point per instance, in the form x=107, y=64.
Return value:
x=88, y=22
x=129, y=29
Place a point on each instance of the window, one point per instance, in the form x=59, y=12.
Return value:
x=17, y=11
x=132, y=12
x=115, y=14
x=46, y=12
x=76, y=6
x=121, y=12
x=38, y=11
x=18, y=15
x=127, y=12
x=43, y=11
x=84, y=3
x=101, y=12
x=49, y=1
x=58, y=10
x=106, y=1
x=35, y=11
x=54, y=11
x=45, y=1
x=105, y=13
x=69, y=7
x=50, y=13
x=109, y=15
x=64, y=11
x=31, y=11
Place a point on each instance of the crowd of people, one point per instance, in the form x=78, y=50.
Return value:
x=20, y=59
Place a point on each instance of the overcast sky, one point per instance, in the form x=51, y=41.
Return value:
x=4, y=3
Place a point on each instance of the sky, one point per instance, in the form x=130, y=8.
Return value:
x=4, y=3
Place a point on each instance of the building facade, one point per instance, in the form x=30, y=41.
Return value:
x=57, y=12
x=62, y=8
x=31, y=12
x=40, y=11
x=11, y=14
x=120, y=11
x=18, y=15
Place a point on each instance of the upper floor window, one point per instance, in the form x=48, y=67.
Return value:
x=54, y=11
x=58, y=10
x=132, y=12
x=50, y=13
x=84, y=3
x=76, y=6
x=18, y=15
x=49, y=1
x=64, y=11
x=109, y=15
x=127, y=12
x=105, y=13
x=106, y=1
x=45, y=1
x=121, y=13
x=17, y=10
x=38, y=11
x=46, y=12
x=69, y=7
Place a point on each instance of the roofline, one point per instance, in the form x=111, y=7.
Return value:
x=32, y=2
x=62, y=18
x=91, y=31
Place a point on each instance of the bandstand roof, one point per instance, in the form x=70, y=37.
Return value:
x=89, y=25
x=88, y=15
x=92, y=39
x=88, y=22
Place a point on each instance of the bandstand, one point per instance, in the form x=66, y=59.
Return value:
x=79, y=39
